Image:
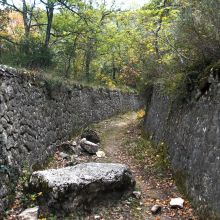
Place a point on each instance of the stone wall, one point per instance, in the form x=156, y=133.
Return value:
x=36, y=115
x=192, y=135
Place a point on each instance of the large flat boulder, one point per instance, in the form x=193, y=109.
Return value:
x=70, y=187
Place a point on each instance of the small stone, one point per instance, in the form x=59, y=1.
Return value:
x=100, y=154
x=64, y=156
x=88, y=146
x=74, y=143
x=156, y=209
x=127, y=202
x=139, y=208
x=91, y=136
x=29, y=214
x=137, y=194
x=177, y=203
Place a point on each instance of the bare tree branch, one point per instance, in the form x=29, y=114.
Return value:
x=70, y=8
x=15, y=8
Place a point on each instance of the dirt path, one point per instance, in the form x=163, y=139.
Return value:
x=121, y=138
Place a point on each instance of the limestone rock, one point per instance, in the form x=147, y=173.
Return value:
x=91, y=136
x=29, y=214
x=156, y=209
x=88, y=146
x=137, y=194
x=100, y=154
x=177, y=203
x=74, y=144
x=70, y=187
x=64, y=156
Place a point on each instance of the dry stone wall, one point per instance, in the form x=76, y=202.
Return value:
x=192, y=135
x=36, y=115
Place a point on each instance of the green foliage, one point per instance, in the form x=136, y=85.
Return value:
x=32, y=53
x=27, y=199
x=3, y=21
x=162, y=156
x=166, y=42
x=29, y=53
x=145, y=152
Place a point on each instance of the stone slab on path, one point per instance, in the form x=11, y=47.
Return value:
x=70, y=187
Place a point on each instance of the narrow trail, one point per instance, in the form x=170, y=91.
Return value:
x=122, y=142
x=119, y=135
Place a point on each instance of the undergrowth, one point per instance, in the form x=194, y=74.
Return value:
x=148, y=154
x=53, y=79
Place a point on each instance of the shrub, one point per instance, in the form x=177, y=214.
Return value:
x=33, y=53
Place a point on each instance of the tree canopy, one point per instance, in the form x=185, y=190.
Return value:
x=166, y=41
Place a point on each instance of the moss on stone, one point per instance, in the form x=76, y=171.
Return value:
x=180, y=179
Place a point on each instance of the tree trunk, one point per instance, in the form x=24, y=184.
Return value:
x=87, y=66
x=71, y=56
x=160, y=22
x=88, y=59
x=113, y=68
x=25, y=19
x=50, y=11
